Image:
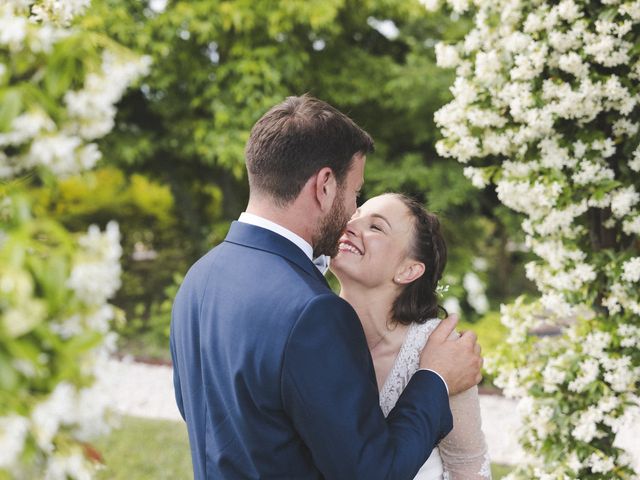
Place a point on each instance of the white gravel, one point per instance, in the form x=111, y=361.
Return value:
x=147, y=391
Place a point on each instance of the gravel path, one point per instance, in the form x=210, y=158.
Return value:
x=147, y=391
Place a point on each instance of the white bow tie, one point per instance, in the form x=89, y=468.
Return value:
x=322, y=263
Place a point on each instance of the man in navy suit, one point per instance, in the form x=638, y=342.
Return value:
x=271, y=369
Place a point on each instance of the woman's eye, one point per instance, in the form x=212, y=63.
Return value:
x=375, y=227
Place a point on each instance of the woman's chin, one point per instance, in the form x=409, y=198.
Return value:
x=337, y=265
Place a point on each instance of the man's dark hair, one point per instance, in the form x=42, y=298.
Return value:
x=297, y=138
x=418, y=301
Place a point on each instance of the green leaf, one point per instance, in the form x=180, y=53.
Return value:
x=10, y=107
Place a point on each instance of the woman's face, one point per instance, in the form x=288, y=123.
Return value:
x=374, y=247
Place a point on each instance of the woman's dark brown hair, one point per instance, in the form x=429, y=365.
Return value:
x=418, y=301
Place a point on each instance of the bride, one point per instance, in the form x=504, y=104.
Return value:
x=391, y=258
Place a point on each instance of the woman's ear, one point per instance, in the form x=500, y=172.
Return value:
x=409, y=273
x=326, y=188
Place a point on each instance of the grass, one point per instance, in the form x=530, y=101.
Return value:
x=499, y=471
x=143, y=449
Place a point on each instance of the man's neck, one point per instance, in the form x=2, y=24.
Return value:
x=291, y=217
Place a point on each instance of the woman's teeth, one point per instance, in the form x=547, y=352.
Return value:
x=350, y=248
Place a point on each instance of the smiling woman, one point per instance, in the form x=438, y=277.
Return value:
x=400, y=245
x=391, y=257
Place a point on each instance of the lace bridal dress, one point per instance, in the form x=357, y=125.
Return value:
x=461, y=455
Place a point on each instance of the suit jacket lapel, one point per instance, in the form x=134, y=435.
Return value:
x=262, y=239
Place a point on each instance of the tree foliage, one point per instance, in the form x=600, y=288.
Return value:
x=218, y=66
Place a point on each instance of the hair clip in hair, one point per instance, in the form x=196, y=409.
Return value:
x=441, y=290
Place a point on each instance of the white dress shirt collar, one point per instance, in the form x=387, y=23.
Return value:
x=258, y=221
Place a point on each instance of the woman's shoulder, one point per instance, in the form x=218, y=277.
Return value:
x=419, y=332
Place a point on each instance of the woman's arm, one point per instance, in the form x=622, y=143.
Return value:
x=464, y=450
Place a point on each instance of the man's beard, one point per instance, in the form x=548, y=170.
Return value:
x=325, y=239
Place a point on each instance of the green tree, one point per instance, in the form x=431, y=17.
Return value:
x=218, y=66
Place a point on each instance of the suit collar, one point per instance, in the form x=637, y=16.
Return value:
x=262, y=239
x=258, y=221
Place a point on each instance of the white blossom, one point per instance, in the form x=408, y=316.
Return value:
x=73, y=466
x=607, y=404
x=623, y=199
x=13, y=29
x=488, y=67
x=59, y=11
x=553, y=375
x=634, y=164
x=477, y=177
x=47, y=416
x=452, y=305
x=600, y=463
x=524, y=196
x=572, y=63
x=431, y=5
x=574, y=462
x=561, y=220
x=556, y=303
x=595, y=344
x=446, y=55
x=631, y=270
x=589, y=370
x=632, y=9
x=533, y=23
x=629, y=335
x=475, y=292
x=592, y=172
x=568, y=10
x=624, y=126
x=620, y=375
x=25, y=127
x=13, y=431
x=586, y=426
x=631, y=226
x=97, y=279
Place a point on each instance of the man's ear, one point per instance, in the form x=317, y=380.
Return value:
x=409, y=272
x=326, y=188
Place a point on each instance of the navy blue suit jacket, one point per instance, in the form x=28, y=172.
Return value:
x=274, y=379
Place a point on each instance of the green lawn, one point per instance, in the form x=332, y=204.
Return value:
x=146, y=450
x=156, y=450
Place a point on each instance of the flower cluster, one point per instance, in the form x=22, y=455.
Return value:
x=55, y=318
x=64, y=147
x=545, y=106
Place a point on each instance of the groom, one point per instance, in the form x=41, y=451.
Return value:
x=271, y=369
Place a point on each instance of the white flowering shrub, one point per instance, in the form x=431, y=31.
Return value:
x=546, y=109
x=58, y=87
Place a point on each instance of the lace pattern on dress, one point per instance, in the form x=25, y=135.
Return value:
x=406, y=363
x=464, y=450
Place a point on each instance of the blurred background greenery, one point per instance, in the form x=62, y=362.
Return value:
x=173, y=171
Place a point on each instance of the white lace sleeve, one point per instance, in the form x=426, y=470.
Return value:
x=464, y=450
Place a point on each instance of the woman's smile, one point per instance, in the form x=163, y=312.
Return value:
x=348, y=246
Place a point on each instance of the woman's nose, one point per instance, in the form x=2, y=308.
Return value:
x=352, y=228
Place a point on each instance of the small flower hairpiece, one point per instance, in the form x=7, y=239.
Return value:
x=442, y=289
